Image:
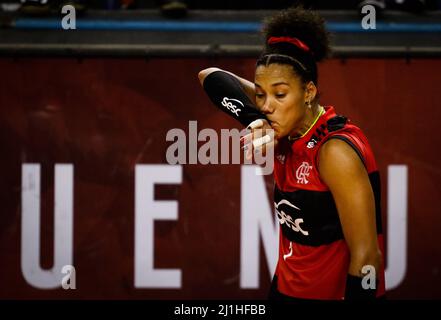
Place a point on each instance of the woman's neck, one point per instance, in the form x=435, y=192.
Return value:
x=311, y=117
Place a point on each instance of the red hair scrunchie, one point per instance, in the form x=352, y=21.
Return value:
x=298, y=43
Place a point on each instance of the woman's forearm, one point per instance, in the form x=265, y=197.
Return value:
x=227, y=92
x=247, y=85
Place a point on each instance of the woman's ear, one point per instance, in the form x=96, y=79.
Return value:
x=310, y=91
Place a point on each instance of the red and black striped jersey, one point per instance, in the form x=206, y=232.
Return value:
x=313, y=255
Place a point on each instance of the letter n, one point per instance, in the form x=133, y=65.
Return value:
x=257, y=219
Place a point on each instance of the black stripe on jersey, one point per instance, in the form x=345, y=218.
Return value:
x=308, y=217
x=311, y=217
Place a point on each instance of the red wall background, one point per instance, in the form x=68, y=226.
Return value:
x=106, y=115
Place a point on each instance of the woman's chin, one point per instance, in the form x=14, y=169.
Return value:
x=278, y=134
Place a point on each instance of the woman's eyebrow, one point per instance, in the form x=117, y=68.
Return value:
x=274, y=84
x=279, y=83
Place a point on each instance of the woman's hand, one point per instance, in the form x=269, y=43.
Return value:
x=259, y=140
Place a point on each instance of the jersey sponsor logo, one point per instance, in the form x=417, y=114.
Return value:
x=231, y=105
x=311, y=143
x=303, y=172
x=318, y=135
x=286, y=219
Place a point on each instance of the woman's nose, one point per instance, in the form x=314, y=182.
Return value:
x=267, y=107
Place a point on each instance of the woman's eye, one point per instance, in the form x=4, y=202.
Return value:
x=280, y=95
x=259, y=95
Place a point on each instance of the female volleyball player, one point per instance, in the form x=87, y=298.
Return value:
x=327, y=187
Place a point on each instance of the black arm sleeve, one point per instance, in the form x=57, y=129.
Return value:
x=226, y=92
x=355, y=291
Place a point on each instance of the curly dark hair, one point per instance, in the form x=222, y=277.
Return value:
x=304, y=25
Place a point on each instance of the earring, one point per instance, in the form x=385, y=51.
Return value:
x=309, y=104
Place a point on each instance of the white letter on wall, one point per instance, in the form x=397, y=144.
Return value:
x=396, y=225
x=147, y=210
x=256, y=218
x=30, y=225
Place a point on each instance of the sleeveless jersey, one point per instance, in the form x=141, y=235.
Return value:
x=313, y=256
